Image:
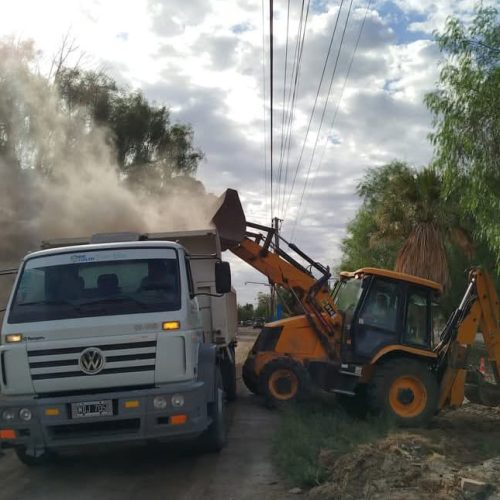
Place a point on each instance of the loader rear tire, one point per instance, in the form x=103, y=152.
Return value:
x=404, y=390
x=282, y=381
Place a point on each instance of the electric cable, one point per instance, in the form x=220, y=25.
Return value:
x=322, y=117
x=320, y=163
x=314, y=107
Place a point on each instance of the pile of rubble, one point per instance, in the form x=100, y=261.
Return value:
x=459, y=457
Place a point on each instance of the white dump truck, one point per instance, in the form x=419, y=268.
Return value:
x=117, y=338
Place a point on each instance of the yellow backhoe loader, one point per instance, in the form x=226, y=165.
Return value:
x=371, y=339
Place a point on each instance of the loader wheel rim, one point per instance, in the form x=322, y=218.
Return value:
x=408, y=396
x=283, y=384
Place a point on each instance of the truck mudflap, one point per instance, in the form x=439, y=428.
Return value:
x=175, y=411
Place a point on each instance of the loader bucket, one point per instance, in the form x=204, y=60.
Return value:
x=229, y=219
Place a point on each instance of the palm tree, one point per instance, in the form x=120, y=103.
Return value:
x=409, y=207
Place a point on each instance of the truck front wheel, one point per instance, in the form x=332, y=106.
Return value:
x=215, y=437
x=404, y=390
x=31, y=460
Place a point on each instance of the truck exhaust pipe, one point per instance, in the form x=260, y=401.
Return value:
x=229, y=219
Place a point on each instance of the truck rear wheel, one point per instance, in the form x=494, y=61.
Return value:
x=282, y=380
x=404, y=390
x=215, y=437
x=30, y=460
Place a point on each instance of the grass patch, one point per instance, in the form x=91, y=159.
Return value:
x=309, y=427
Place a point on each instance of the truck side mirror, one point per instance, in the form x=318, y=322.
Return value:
x=222, y=277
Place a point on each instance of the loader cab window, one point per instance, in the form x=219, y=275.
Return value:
x=346, y=296
x=416, y=331
x=380, y=309
x=438, y=321
x=376, y=324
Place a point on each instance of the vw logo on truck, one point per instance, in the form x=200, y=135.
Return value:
x=91, y=361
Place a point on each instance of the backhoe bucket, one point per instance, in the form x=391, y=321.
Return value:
x=229, y=219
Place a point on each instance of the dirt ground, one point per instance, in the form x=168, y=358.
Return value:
x=457, y=457
x=242, y=471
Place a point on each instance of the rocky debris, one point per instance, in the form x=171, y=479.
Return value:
x=458, y=457
x=295, y=491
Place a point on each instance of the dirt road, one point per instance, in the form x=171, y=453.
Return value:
x=241, y=471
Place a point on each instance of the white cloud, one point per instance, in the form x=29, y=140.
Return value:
x=203, y=58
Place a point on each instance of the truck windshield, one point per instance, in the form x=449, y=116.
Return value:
x=98, y=283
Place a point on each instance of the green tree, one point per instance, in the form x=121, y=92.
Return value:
x=150, y=150
x=466, y=106
x=245, y=312
x=263, y=309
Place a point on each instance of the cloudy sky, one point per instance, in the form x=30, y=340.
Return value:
x=204, y=59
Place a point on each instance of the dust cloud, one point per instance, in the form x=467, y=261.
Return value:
x=58, y=174
x=59, y=177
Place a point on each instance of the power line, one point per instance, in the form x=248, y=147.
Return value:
x=314, y=108
x=322, y=116
x=264, y=87
x=299, y=48
x=283, y=103
x=271, y=61
x=339, y=100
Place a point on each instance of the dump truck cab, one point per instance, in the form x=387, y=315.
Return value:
x=105, y=343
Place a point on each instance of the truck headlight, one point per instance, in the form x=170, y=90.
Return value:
x=8, y=414
x=25, y=414
x=160, y=402
x=177, y=400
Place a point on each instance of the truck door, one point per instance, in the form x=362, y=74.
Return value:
x=205, y=303
x=377, y=322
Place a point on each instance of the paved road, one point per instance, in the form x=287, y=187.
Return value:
x=242, y=471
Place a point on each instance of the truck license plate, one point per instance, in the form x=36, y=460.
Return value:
x=102, y=408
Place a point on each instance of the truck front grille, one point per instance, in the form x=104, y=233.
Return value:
x=64, y=362
x=94, y=429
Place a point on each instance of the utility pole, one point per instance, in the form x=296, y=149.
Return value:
x=273, y=301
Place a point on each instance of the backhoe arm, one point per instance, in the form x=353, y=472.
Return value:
x=479, y=309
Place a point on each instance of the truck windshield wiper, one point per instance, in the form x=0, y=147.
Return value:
x=49, y=303
x=122, y=298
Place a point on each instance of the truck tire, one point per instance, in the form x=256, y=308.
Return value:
x=404, y=390
x=228, y=371
x=282, y=381
x=31, y=461
x=215, y=437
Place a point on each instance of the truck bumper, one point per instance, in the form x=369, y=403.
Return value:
x=134, y=418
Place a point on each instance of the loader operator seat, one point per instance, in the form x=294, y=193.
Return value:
x=379, y=309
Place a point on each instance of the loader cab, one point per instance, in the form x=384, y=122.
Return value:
x=382, y=309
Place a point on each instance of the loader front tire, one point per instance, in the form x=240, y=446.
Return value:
x=405, y=390
x=249, y=376
x=282, y=380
